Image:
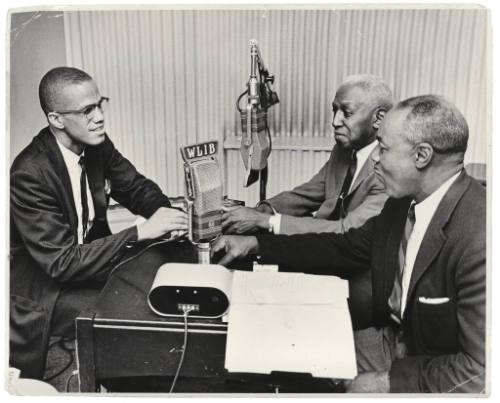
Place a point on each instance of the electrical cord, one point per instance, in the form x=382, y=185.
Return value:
x=239, y=99
x=269, y=137
x=68, y=351
x=163, y=241
x=60, y=342
x=66, y=387
x=179, y=366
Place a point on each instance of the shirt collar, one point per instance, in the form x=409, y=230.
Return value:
x=363, y=153
x=427, y=207
x=70, y=158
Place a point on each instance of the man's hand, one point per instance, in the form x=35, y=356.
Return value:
x=234, y=247
x=163, y=221
x=244, y=220
x=369, y=382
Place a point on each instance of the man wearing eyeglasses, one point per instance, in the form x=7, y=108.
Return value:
x=61, y=246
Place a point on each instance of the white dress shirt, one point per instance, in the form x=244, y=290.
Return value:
x=361, y=156
x=424, y=211
x=75, y=172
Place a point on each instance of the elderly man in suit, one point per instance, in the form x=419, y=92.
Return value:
x=426, y=251
x=346, y=191
x=61, y=245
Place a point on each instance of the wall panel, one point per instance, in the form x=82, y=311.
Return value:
x=36, y=45
x=173, y=76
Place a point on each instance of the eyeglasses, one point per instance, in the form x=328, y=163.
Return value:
x=89, y=110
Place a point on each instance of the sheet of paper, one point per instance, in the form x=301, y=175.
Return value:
x=285, y=288
x=290, y=322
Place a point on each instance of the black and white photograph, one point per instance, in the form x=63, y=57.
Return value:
x=270, y=200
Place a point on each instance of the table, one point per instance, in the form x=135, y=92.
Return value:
x=122, y=344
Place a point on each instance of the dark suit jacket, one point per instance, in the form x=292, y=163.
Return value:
x=365, y=199
x=445, y=341
x=45, y=254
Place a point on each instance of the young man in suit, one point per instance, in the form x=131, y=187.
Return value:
x=346, y=191
x=426, y=251
x=61, y=246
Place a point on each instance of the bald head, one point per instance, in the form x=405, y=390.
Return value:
x=434, y=120
x=53, y=83
x=375, y=89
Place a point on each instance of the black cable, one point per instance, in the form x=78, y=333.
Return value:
x=264, y=172
x=239, y=99
x=186, y=312
x=263, y=182
x=144, y=250
x=269, y=137
x=67, y=350
x=66, y=388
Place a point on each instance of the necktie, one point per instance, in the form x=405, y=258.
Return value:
x=339, y=210
x=83, y=193
x=395, y=297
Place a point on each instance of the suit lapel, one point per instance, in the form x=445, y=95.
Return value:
x=366, y=170
x=50, y=143
x=94, y=177
x=435, y=237
x=340, y=167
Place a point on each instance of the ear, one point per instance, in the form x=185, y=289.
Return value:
x=55, y=120
x=423, y=155
x=378, y=116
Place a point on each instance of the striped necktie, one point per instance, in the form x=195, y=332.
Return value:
x=395, y=297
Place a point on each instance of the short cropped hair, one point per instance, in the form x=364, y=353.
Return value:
x=434, y=120
x=54, y=81
x=377, y=90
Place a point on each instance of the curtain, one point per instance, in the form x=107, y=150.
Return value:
x=173, y=77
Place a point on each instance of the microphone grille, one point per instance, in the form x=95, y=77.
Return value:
x=207, y=201
x=207, y=185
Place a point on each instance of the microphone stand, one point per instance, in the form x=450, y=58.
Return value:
x=202, y=248
x=203, y=252
x=260, y=97
x=253, y=101
x=253, y=104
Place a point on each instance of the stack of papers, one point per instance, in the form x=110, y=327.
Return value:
x=291, y=322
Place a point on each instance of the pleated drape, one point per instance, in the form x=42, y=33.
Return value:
x=173, y=77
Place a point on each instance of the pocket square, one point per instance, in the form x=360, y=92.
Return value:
x=433, y=301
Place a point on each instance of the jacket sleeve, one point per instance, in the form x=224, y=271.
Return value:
x=370, y=206
x=304, y=199
x=128, y=187
x=325, y=253
x=463, y=372
x=48, y=238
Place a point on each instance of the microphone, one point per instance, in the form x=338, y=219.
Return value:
x=204, y=195
x=256, y=139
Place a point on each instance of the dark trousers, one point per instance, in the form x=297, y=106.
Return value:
x=376, y=348
x=71, y=301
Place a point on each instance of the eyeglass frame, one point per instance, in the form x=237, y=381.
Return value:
x=82, y=110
